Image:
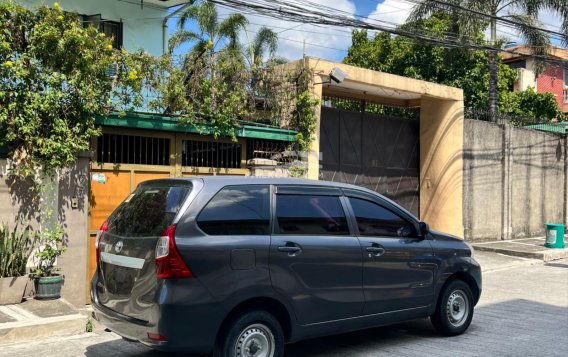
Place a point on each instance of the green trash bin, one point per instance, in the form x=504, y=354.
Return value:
x=554, y=235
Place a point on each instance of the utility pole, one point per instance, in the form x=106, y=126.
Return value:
x=304, y=48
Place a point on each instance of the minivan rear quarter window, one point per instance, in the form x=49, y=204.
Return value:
x=310, y=215
x=237, y=210
x=149, y=210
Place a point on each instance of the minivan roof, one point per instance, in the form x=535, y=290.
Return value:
x=256, y=180
x=259, y=180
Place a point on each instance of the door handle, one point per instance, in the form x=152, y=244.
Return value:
x=287, y=249
x=291, y=248
x=375, y=251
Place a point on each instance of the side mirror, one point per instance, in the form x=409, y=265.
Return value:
x=424, y=228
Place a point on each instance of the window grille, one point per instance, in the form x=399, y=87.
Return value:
x=268, y=149
x=198, y=153
x=130, y=149
x=112, y=29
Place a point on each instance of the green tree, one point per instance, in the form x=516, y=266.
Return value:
x=265, y=41
x=530, y=105
x=54, y=82
x=456, y=67
x=210, y=84
x=462, y=68
x=523, y=13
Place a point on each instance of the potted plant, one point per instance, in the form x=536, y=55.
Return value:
x=47, y=279
x=16, y=247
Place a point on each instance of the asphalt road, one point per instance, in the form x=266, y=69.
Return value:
x=523, y=312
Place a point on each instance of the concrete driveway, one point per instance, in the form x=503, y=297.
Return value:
x=523, y=311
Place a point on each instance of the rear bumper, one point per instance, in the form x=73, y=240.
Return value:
x=187, y=318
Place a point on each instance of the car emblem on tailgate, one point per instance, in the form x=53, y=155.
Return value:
x=118, y=246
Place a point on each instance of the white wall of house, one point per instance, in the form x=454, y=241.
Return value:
x=526, y=77
x=142, y=25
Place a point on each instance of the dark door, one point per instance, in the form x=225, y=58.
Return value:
x=398, y=265
x=314, y=261
x=378, y=152
x=227, y=248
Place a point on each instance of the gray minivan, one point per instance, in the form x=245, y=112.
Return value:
x=240, y=266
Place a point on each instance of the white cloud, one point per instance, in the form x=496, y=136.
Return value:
x=321, y=41
x=392, y=12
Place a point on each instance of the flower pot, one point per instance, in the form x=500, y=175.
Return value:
x=12, y=289
x=48, y=287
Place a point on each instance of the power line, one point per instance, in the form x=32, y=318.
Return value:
x=318, y=14
x=492, y=17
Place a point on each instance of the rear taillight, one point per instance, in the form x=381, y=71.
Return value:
x=169, y=263
x=100, y=233
x=156, y=337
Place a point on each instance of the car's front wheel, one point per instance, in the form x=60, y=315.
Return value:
x=253, y=334
x=455, y=309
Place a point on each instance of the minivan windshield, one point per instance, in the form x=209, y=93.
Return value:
x=149, y=210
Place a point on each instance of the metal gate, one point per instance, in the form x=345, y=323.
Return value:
x=378, y=152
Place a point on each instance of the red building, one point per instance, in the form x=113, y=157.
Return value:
x=554, y=79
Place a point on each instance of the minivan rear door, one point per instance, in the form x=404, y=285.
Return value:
x=314, y=260
x=126, y=269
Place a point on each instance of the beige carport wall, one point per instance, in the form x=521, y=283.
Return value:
x=441, y=132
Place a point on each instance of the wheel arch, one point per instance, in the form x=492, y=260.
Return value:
x=466, y=278
x=268, y=304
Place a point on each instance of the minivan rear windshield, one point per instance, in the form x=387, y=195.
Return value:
x=149, y=210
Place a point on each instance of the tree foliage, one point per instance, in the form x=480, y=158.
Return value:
x=456, y=67
x=214, y=79
x=56, y=77
x=523, y=16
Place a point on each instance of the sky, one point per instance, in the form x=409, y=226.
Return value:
x=331, y=42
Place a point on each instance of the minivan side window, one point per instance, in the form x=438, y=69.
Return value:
x=376, y=220
x=310, y=215
x=237, y=210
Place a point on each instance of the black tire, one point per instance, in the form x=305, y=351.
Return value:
x=253, y=329
x=454, y=310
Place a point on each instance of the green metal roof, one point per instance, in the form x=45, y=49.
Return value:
x=168, y=123
x=560, y=127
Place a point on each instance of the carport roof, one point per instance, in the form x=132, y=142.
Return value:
x=379, y=87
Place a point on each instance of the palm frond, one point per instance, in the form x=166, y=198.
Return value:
x=182, y=36
x=207, y=18
x=527, y=7
x=464, y=26
x=231, y=26
x=188, y=14
x=264, y=39
x=561, y=8
x=425, y=9
x=538, y=42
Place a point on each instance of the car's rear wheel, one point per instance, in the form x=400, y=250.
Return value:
x=253, y=334
x=455, y=309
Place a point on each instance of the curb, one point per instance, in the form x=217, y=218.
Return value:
x=543, y=255
x=23, y=331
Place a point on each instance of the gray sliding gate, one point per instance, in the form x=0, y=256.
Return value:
x=377, y=152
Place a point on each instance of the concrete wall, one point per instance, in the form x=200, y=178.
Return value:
x=483, y=191
x=441, y=164
x=514, y=181
x=18, y=205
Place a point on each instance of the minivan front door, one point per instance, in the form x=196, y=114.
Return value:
x=398, y=265
x=314, y=261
